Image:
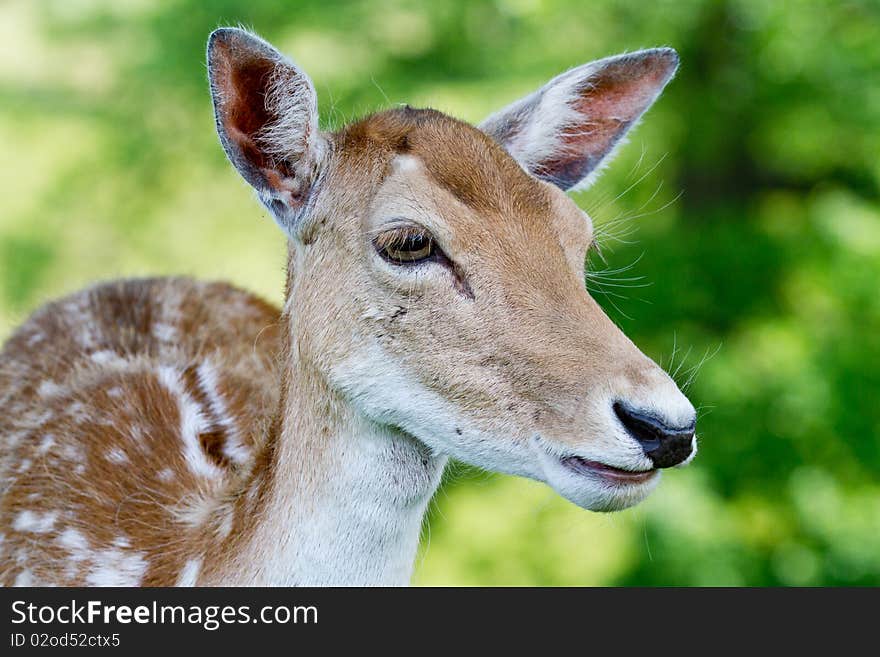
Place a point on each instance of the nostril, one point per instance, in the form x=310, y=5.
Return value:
x=664, y=445
x=640, y=426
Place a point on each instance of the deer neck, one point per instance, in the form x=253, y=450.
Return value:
x=336, y=499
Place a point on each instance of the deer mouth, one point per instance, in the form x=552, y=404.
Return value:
x=608, y=473
x=595, y=485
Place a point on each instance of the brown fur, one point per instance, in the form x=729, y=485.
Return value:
x=51, y=386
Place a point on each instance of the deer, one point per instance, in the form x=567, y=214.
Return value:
x=176, y=432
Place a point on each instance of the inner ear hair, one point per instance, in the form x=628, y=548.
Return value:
x=566, y=131
x=267, y=120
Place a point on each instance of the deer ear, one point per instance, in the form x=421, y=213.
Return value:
x=266, y=112
x=563, y=132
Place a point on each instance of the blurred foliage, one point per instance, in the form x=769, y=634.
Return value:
x=744, y=215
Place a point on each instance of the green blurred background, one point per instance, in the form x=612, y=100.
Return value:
x=745, y=212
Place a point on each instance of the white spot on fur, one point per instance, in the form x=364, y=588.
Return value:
x=166, y=475
x=46, y=443
x=49, y=389
x=233, y=448
x=39, y=419
x=24, y=466
x=35, y=338
x=24, y=578
x=192, y=423
x=136, y=432
x=40, y=523
x=105, y=356
x=13, y=438
x=116, y=455
x=77, y=411
x=72, y=540
x=73, y=453
x=164, y=332
x=115, y=567
x=115, y=392
x=190, y=573
x=71, y=570
x=75, y=543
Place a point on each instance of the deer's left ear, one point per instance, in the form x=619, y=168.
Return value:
x=563, y=132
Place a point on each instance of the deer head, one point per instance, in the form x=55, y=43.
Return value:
x=436, y=269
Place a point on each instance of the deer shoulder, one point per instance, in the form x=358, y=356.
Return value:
x=129, y=410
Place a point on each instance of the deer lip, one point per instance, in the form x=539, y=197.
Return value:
x=609, y=473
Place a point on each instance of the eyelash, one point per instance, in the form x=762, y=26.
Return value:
x=406, y=245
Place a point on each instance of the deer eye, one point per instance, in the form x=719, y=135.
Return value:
x=405, y=246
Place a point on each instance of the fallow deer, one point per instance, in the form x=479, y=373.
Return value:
x=174, y=432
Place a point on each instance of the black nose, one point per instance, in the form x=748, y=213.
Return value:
x=664, y=445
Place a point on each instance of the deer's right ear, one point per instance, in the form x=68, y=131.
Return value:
x=266, y=111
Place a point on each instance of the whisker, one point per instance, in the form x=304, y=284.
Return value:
x=660, y=209
x=640, y=178
x=600, y=283
x=609, y=296
x=694, y=371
